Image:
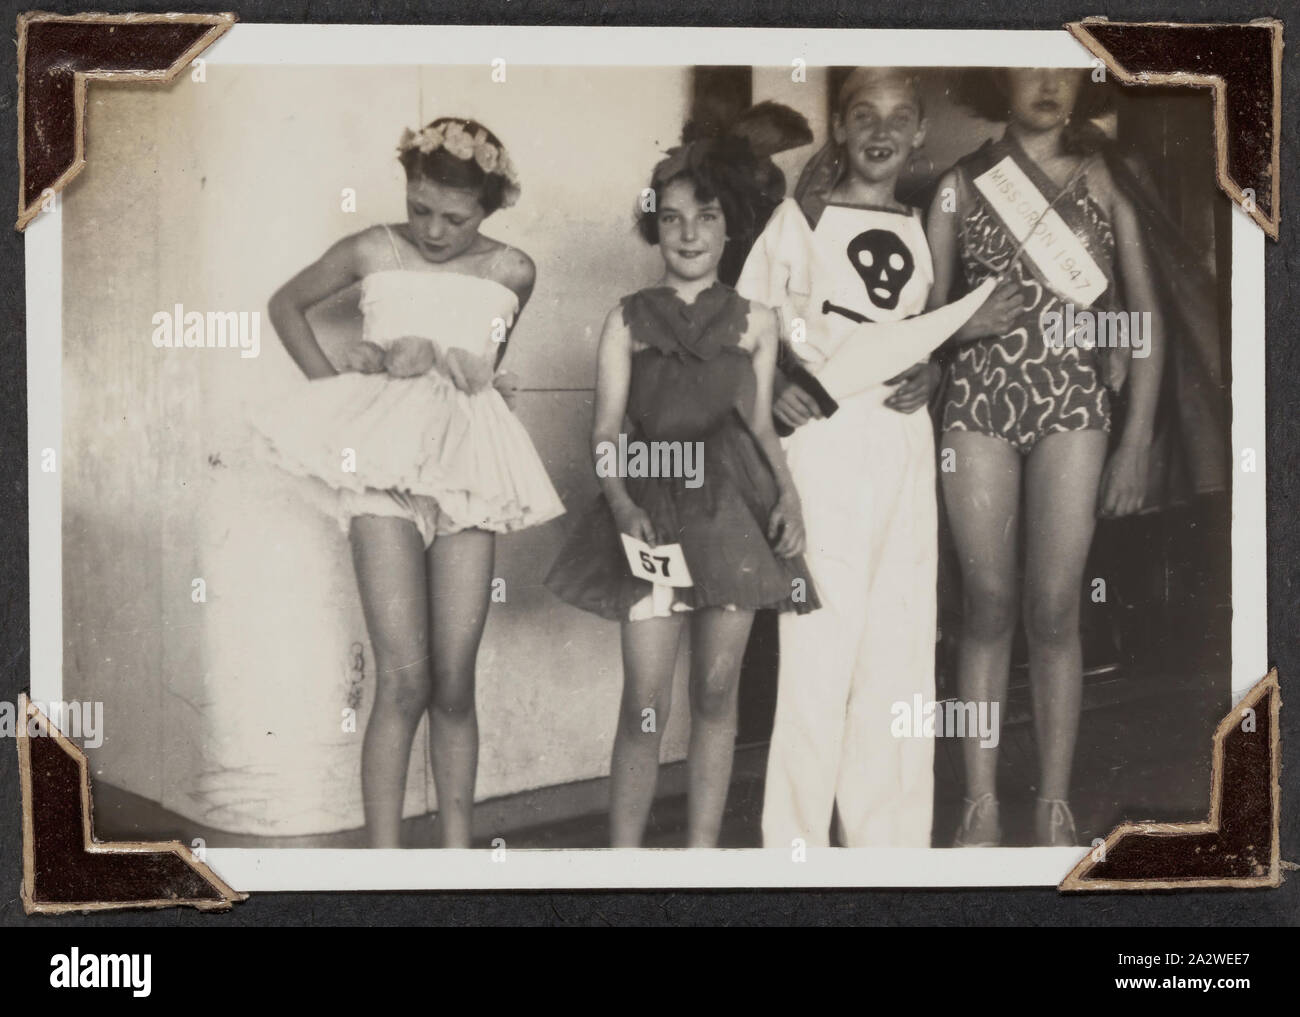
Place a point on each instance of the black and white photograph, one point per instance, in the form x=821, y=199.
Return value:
x=807, y=459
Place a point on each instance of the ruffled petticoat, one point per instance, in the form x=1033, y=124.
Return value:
x=422, y=436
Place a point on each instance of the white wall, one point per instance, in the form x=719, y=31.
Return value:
x=213, y=194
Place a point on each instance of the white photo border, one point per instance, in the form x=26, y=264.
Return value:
x=505, y=869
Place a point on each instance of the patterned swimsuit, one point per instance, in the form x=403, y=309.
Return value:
x=1015, y=386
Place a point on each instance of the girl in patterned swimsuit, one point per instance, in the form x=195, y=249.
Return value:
x=411, y=445
x=1025, y=411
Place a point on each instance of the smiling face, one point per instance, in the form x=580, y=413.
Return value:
x=443, y=220
x=692, y=233
x=1041, y=99
x=879, y=125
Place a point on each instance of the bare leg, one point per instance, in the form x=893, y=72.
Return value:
x=983, y=499
x=387, y=554
x=460, y=586
x=1061, y=479
x=649, y=658
x=718, y=638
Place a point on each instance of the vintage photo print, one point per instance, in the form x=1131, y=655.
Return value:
x=784, y=458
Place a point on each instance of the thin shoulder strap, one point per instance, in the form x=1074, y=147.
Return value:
x=393, y=243
x=496, y=258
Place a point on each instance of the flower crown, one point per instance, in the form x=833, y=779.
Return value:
x=455, y=137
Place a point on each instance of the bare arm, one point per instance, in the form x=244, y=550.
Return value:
x=994, y=316
x=613, y=378
x=760, y=416
x=941, y=232
x=1125, y=478
x=785, y=526
x=1140, y=289
x=519, y=274
x=336, y=269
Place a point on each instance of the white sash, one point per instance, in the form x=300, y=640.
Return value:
x=1062, y=260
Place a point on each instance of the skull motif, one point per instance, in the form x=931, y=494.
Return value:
x=885, y=264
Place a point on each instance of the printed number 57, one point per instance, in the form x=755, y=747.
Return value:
x=648, y=560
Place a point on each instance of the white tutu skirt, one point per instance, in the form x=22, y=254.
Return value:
x=422, y=435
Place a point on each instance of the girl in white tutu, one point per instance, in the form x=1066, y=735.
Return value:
x=415, y=449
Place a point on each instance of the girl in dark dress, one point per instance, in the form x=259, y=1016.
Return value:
x=689, y=361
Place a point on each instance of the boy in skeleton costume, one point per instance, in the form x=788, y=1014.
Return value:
x=849, y=269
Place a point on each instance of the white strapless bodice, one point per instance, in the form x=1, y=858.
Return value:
x=418, y=434
x=453, y=309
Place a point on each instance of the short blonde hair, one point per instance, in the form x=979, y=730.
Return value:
x=861, y=78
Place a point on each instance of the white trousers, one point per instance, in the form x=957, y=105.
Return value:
x=866, y=479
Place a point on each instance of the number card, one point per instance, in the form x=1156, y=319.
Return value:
x=664, y=565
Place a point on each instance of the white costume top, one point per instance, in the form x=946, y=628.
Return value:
x=451, y=308
x=865, y=261
x=420, y=435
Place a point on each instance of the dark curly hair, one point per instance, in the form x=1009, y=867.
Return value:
x=721, y=169
x=983, y=91
x=441, y=167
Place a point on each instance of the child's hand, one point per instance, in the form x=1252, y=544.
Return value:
x=794, y=407
x=1114, y=369
x=633, y=520
x=996, y=316
x=1124, y=481
x=409, y=357
x=468, y=372
x=915, y=387
x=785, y=527
x=364, y=358
x=507, y=385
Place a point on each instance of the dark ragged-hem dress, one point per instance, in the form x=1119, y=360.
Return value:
x=691, y=381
